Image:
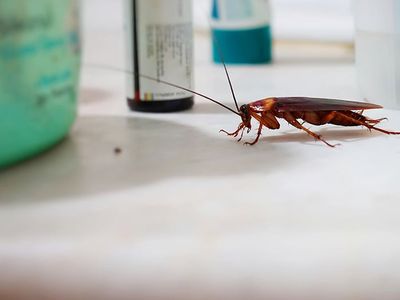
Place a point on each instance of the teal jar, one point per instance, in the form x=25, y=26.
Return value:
x=39, y=67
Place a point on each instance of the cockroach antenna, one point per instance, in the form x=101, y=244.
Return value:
x=163, y=82
x=221, y=56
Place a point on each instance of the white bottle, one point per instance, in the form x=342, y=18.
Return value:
x=159, y=44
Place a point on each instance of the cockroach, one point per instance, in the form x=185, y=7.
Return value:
x=315, y=111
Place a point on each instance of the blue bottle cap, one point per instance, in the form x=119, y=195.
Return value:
x=241, y=33
x=242, y=46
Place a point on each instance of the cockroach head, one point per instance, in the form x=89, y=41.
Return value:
x=245, y=114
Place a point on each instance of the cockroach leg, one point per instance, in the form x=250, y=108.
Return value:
x=370, y=127
x=257, y=137
x=327, y=118
x=235, y=133
x=375, y=121
x=241, y=135
x=292, y=121
x=384, y=131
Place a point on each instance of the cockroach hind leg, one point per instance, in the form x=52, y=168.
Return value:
x=384, y=131
x=370, y=127
x=375, y=121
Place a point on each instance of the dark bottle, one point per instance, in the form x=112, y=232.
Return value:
x=159, y=44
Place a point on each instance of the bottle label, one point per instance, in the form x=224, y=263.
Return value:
x=159, y=43
x=240, y=14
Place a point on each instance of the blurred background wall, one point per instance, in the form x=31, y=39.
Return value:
x=317, y=20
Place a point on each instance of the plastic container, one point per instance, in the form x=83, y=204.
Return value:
x=39, y=59
x=241, y=31
x=377, y=50
x=159, y=43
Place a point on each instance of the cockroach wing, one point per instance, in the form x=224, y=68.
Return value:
x=283, y=104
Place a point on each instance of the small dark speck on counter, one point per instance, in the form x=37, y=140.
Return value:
x=117, y=150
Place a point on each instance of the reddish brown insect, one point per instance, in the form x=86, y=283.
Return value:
x=315, y=111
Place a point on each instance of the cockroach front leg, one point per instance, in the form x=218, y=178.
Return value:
x=241, y=134
x=257, y=137
x=235, y=133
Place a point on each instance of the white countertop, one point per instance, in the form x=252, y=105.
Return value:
x=185, y=212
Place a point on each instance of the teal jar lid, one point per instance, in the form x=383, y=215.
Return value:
x=241, y=32
x=246, y=46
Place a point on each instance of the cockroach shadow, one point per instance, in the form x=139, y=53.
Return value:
x=341, y=135
x=105, y=154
